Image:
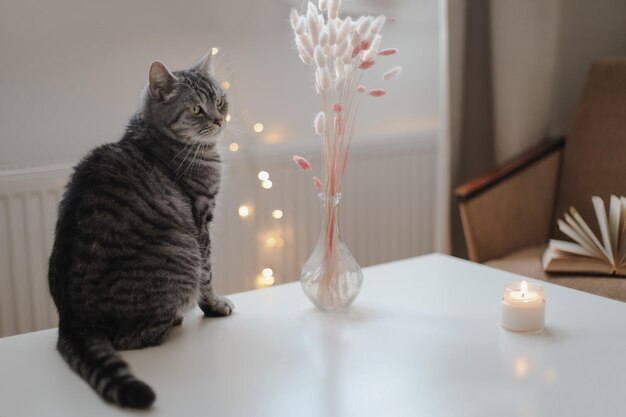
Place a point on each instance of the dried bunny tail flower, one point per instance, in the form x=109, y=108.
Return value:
x=320, y=57
x=337, y=108
x=320, y=123
x=314, y=31
x=360, y=89
x=328, y=50
x=388, y=51
x=323, y=5
x=314, y=23
x=302, y=163
x=333, y=8
x=311, y=9
x=377, y=93
x=305, y=58
x=340, y=48
x=366, y=64
x=317, y=183
x=344, y=30
x=392, y=73
x=323, y=38
x=293, y=18
x=305, y=41
x=364, y=26
x=300, y=25
x=332, y=33
x=355, y=39
x=322, y=76
x=375, y=46
x=369, y=39
x=370, y=54
x=378, y=23
x=302, y=52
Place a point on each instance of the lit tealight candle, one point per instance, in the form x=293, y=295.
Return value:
x=523, y=307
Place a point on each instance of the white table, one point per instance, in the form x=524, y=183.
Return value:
x=423, y=339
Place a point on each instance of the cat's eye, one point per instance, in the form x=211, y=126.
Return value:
x=195, y=110
x=218, y=101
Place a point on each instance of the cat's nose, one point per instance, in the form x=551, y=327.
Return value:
x=218, y=120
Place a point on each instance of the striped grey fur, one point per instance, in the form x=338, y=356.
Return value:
x=132, y=246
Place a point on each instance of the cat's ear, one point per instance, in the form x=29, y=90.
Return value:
x=205, y=65
x=161, y=81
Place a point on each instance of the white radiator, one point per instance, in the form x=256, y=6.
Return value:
x=387, y=213
x=28, y=208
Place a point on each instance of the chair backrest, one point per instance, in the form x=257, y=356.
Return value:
x=594, y=159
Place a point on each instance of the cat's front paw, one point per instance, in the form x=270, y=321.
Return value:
x=219, y=307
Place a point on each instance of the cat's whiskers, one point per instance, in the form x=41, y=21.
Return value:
x=194, y=150
x=194, y=159
x=190, y=147
x=178, y=153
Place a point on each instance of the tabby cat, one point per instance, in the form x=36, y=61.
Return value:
x=132, y=247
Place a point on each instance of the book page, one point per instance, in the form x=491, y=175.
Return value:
x=622, y=235
x=588, y=231
x=565, y=228
x=603, y=223
x=588, y=242
x=570, y=247
x=614, y=223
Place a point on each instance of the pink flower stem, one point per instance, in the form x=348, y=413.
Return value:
x=351, y=124
x=326, y=145
x=330, y=251
x=352, y=127
x=336, y=154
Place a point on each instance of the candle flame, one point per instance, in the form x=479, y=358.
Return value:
x=523, y=287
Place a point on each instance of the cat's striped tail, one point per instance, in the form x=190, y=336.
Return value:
x=92, y=356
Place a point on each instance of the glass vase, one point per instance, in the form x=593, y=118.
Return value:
x=331, y=277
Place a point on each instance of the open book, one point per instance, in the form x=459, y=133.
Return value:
x=591, y=255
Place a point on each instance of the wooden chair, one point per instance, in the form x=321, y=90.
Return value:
x=510, y=213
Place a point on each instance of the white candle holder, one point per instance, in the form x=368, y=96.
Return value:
x=523, y=307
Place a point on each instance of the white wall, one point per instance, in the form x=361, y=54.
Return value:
x=588, y=30
x=542, y=50
x=71, y=70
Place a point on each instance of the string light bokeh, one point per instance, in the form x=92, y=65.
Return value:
x=268, y=240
